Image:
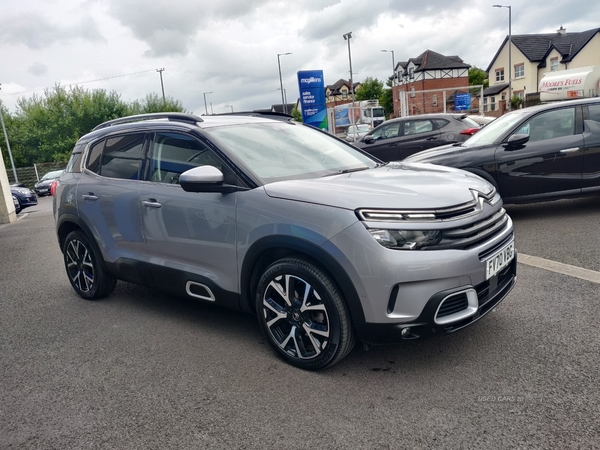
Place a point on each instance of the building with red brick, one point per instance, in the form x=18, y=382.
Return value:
x=429, y=83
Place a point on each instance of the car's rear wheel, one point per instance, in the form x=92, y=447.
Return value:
x=303, y=314
x=85, y=268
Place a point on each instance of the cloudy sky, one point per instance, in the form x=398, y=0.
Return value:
x=230, y=47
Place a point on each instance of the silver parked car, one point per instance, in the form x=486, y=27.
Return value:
x=324, y=243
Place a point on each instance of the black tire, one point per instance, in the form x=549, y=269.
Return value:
x=85, y=268
x=18, y=206
x=314, y=330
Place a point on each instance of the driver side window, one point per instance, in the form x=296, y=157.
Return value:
x=550, y=125
x=173, y=154
x=388, y=131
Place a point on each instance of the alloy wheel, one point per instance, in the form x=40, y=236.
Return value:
x=296, y=317
x=80, y=266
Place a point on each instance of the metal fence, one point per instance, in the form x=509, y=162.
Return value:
x=31, y=175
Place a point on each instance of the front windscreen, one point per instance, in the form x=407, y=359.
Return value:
x=493, y=132
x=283, y=151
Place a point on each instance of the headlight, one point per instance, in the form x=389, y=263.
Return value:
x=24, y=191
x=406, y=239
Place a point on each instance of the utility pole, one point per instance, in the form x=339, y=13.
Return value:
x=12, y=163
x=162, y=86
x=347, y=37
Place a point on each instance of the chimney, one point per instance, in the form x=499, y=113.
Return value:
x=561, y=31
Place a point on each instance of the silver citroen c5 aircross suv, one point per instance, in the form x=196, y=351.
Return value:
x=324, y=243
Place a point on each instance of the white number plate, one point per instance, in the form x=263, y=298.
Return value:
x=499, y=261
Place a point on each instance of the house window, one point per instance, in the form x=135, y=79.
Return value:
x=493, y=104
x=503, y=96
x=499, y=75
x=411, y=73
x=485, y=104
x=554, y=64
x=412, y=92
x=520, y=71
x=434, y=100
x=344, y=94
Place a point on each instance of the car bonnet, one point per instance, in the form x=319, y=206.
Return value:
x=394, y=186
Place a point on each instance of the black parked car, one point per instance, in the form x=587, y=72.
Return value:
x=398, y=138
x=25, y=196
x=538, y=153
x=42, y=187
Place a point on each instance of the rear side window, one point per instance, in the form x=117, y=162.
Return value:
x=441, y=123
x=117, y=156
x=550, y=125
x=470, y=123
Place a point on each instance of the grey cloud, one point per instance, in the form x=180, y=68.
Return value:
x=38, y=69
x=168, y=26
x=36, y=32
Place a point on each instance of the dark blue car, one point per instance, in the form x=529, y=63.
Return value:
x=25, y=196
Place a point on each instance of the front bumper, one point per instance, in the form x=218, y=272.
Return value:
x=489, y=294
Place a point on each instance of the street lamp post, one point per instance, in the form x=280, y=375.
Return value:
x=206, y=107
x=510, y=69
x=283, y=105
x=393, y=65
x=230, y=106
x=347, y=37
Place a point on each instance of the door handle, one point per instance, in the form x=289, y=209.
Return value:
x=90, y=196
x=570, y=150
x=432, y=138
x=151, y=203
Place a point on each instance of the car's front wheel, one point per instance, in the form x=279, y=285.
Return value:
x=17, y=203
x=84, y=268
x=303, y=315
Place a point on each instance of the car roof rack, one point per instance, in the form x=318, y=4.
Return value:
x=270, y=114
x=171, y=116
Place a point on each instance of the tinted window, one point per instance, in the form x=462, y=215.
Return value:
x=173, y=154
x=594, y=112
x=117, y=156
x=122, y=156
x=94, y=158
x=550, y=125
x=441, y=123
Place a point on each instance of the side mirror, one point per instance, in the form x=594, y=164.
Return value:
x=204, y=179
x=368, y=139
x=516, y=141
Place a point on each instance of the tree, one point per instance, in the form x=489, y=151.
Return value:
x=46, y=127
x=370, y=89
x=154, y=104
x=297, y=114
x=386, y=99
x=478, y=77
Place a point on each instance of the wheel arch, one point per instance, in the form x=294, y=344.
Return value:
x=269, y=249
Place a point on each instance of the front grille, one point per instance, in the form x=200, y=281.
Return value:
x=453, y=305
x=473, y=234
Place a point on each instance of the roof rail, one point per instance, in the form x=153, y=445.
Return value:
x=270, y=114
x=171, y=116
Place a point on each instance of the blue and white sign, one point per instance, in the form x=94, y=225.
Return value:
x=312, y=98
x=462, y=102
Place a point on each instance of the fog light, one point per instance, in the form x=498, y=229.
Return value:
x=405, y=332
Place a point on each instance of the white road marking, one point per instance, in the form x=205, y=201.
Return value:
x=565, y=269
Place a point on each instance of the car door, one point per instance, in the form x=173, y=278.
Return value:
x=190, y=236
x=384, y=143
x=550, y=162
x=107, y=195
x=417, y=135
x=591, y=153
